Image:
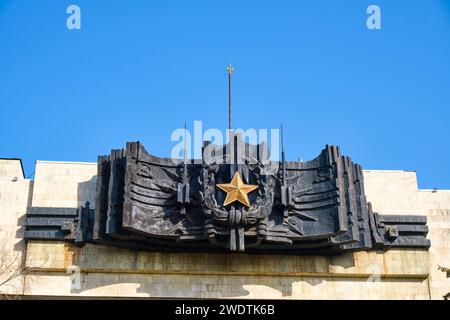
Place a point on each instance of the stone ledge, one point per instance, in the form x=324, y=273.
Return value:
x=224, y=287
x=57, y=257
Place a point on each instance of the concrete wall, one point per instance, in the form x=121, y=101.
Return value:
x=111, y=272
x=11, y=169
x=64, y=184
x=395, y=192
x=14, y=199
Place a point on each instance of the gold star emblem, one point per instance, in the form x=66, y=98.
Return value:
x=237, y=190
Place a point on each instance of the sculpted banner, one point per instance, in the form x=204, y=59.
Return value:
x=234, y=199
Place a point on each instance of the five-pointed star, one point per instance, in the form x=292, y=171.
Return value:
x=237, y=191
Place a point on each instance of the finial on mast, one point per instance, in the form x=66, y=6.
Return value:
x=230, y=71
x=230, y=68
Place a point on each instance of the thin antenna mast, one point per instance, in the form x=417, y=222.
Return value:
x=183, y=187
x=230, y=71
x=285, y=196
x=282, y=153
x=184, y=155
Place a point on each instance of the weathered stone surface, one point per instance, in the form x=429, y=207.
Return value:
x=396, y=192
x=91, y=258
x=14, y=199
x=73, y=183
x=218, y=286
x=112, y=272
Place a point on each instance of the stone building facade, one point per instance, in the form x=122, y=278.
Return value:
x=60, y=269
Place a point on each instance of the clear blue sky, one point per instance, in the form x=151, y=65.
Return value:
x=137, y=70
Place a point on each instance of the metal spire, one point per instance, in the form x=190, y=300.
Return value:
x=184, y=155
x=285, y=195
x=230, y=71
x=282, y=153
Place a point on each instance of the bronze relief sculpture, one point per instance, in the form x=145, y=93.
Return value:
x=232, y=199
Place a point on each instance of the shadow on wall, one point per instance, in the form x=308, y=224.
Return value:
x=179, y=283
x=126, y=275
x=121, y=272
x=86, y=192
x=20, y=247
